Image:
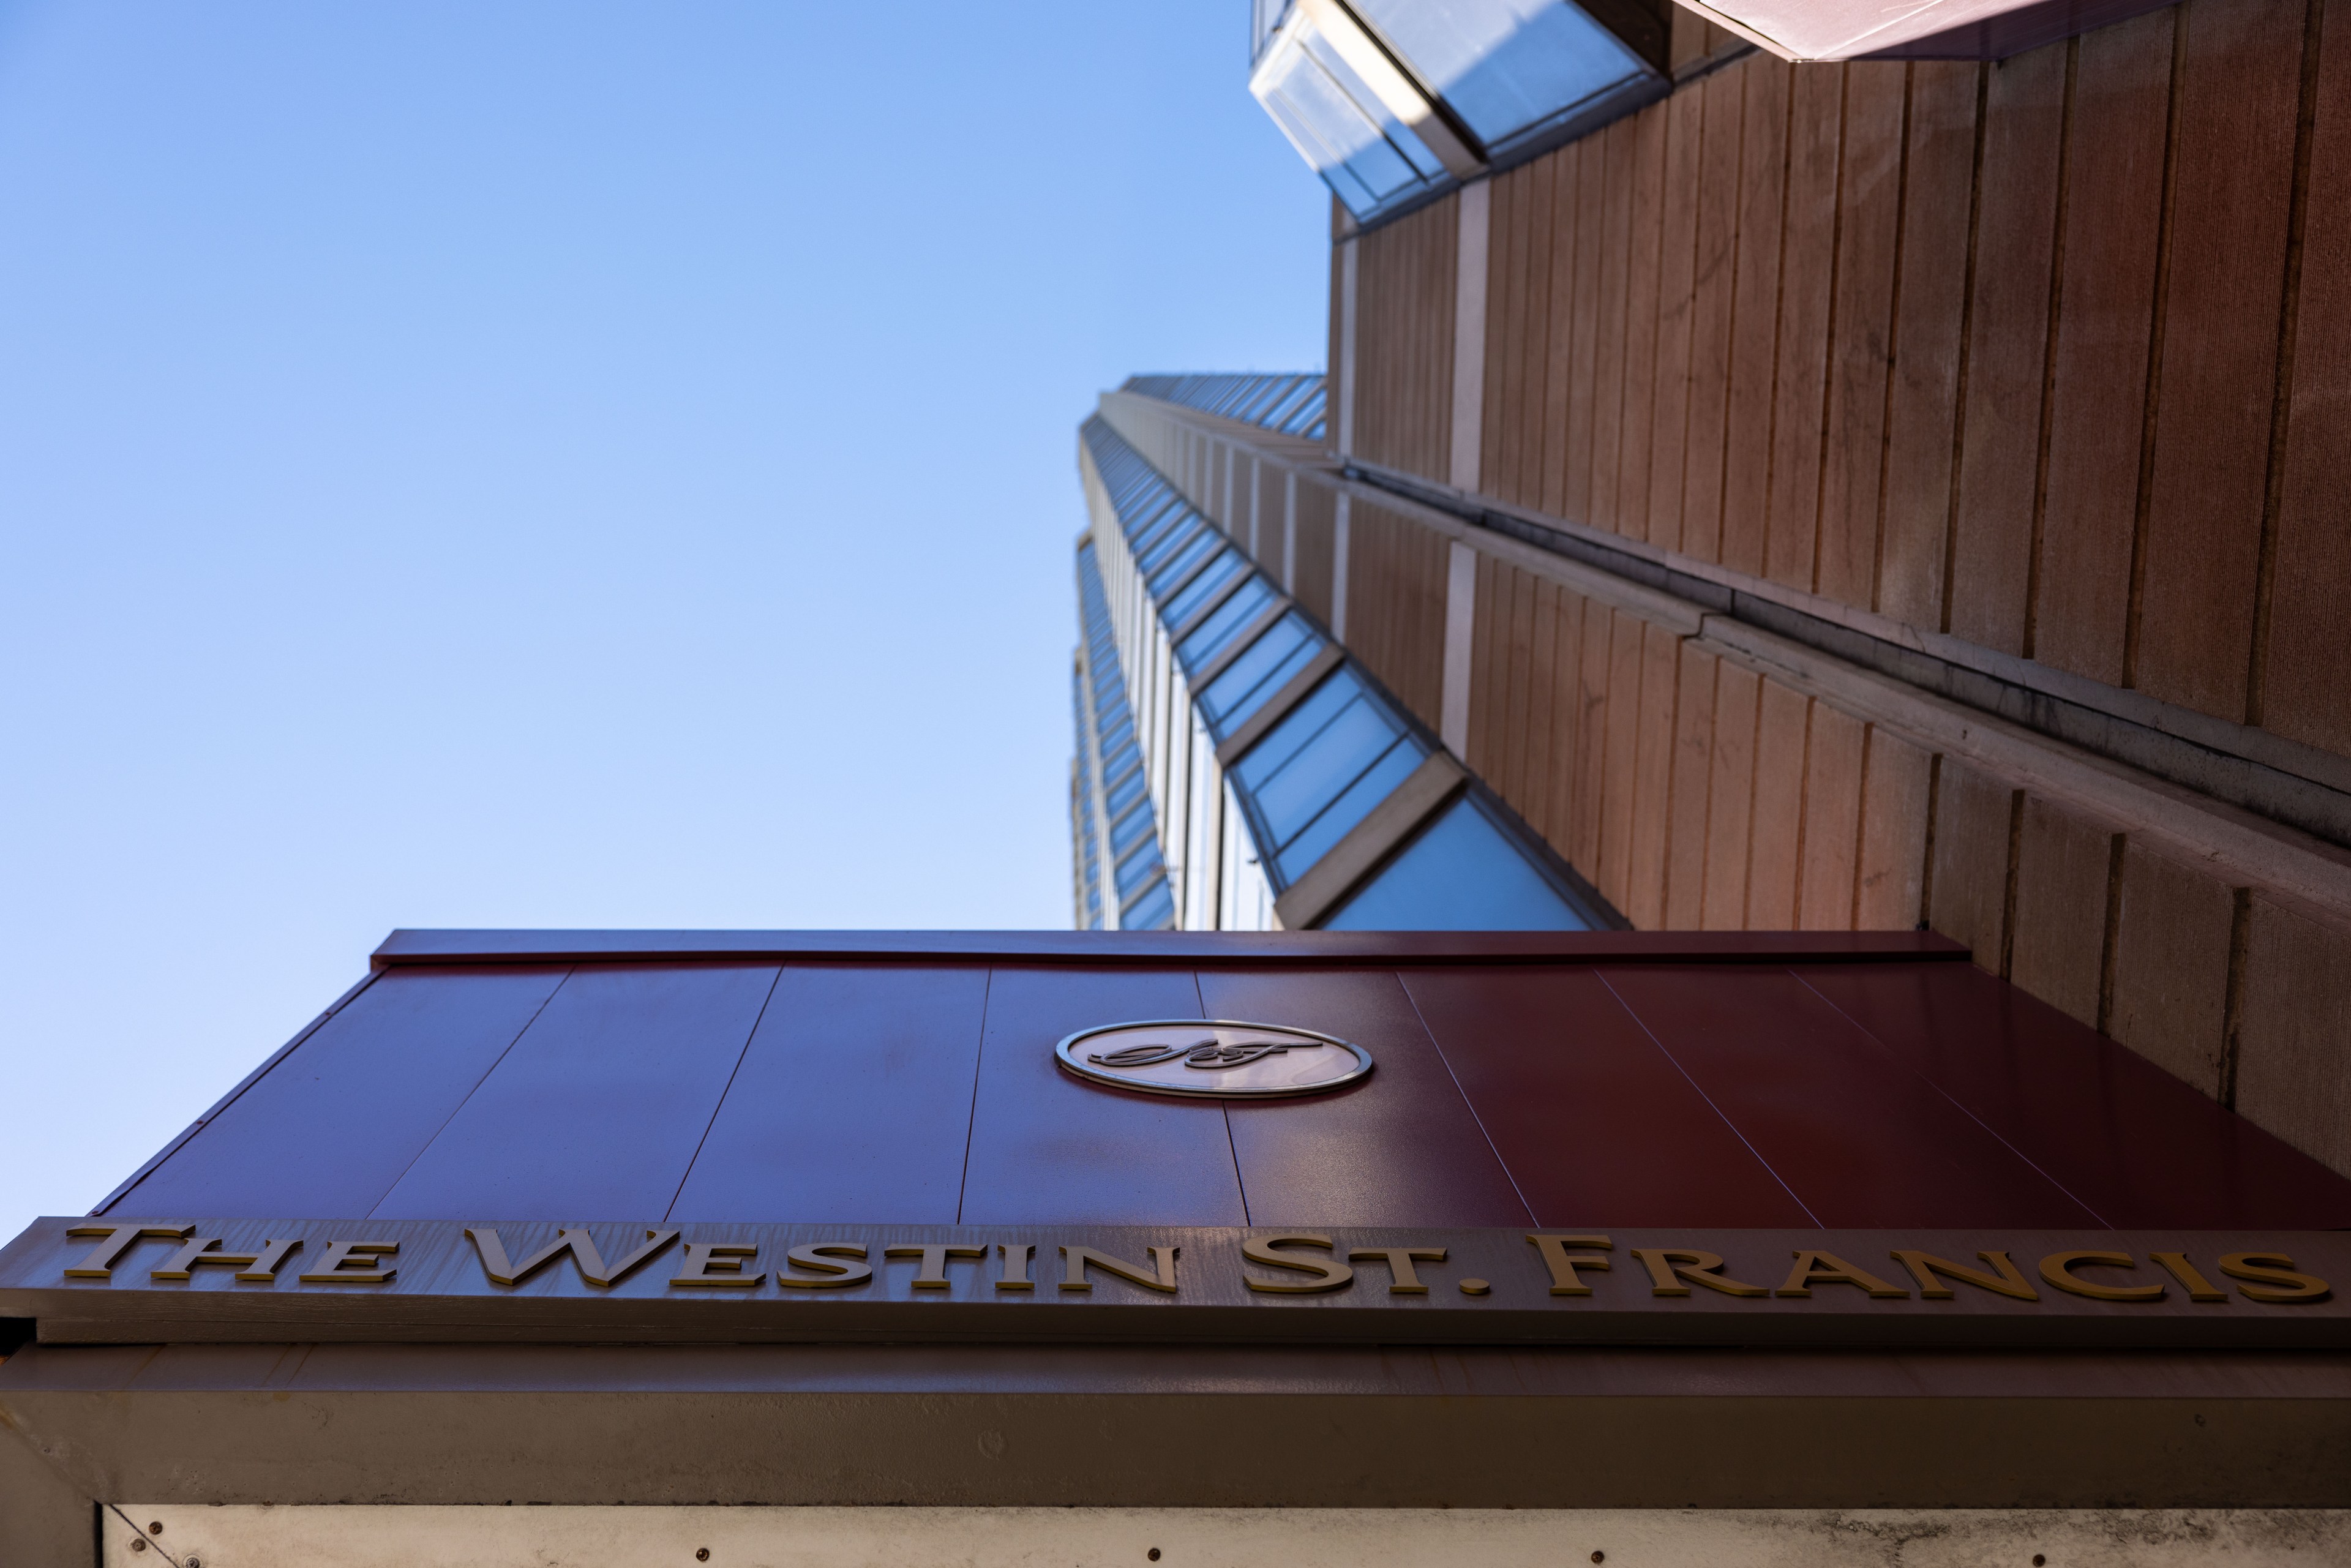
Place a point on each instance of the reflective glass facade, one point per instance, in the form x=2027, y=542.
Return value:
x=1293, y=404
x=1121, y=876
x=1286, y=787
x=1391, y=100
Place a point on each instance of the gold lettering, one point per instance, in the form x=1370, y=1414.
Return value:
x=199, y=1251
x=351, y=1263
x=2058, y=1268
x=1924, y=1266
x=1670, y=1266
x=717, y=1264
x=1016, y=1256
x=117, y=1240
x=1329, y=1273
x=822, y=1259
x=2197, y=1287
x=1827, y=1268
x=1562, y=1263
x=2278, y=1269
x=264, y=1270
x=1162, y=1261
x=576, y=1241
x=1402, y=1281
x=933, y=1274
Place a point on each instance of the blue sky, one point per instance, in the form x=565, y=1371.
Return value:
x=500, y=464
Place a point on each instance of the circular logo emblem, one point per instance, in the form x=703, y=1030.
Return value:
x=1216, y=1059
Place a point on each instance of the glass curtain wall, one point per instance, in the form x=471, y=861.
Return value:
x=1121, y=877
x=1275, y=761
x=1291, y=404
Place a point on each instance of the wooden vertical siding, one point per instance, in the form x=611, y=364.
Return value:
x=2050, y=355
x=1404, y=371
x=1396, y=605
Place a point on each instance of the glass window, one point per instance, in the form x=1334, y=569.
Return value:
x=1170, y=543
x=1247, y=602
x=1178, y=563
x=1354, y=737
x=1503, y=65
x=1319, y=837
x=1141, y=865
x=1303, y=723
x=1131, y=827
x=1461, y=874
x=1155, y=911
x=1338, y=124
x=1120, y=799
x=1285, y=649
x=1202, y=587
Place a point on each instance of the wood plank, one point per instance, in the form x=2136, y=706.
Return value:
x=1653, y=769
x=1048, y=1146
x=2113, y=220
x=1677, y=315
x=1618, y=150
x=1620, y=775
x=1834, y=755
x=1489, y=676
x=1968, y=899
x=1505, y=309
x=1565, y=813
x=1895, y=786
x=1592, y=738
x=599, y=1107
x=1519, y=633
x=2293, y=1076
x=1569, y=236
x=1869, y=222
x=917, y=1033
x=1543, y=239
x=1800, y=390
x=1583, y=349
x=1730, y=799
x=1543, y=711
x=1646, y=219
x=1755, y=311
x=1718, y=201
x=1930, y=291
x=1783, y=723
x=2306, y=667
x=2063, y=863
x=1693, y=768
x=1329, y=1159
x=2171, y=965
x=411, y=1048
x=2231, y=192
x=2008, y=349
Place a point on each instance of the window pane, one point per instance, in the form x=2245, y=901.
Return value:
x=1139, y=867
x=1338, y=125
x=1120, y=799
x=1187, y=605
x=1245, y=605
x=1302, y=724
x=1460, y=874
x=1155, y=911
x=1376, y=784
x=1504, y=64
x=1353, y=739
x=1131, y=827
x=1285, y=648
x=1184, y=559
x=1150, y=556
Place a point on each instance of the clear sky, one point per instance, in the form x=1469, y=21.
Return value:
x=558, y=464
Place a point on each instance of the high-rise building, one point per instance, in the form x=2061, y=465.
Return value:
x=1873, y=480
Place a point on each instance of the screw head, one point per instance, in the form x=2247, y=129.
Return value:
x=702, y=1554
x=138, y=1544
x=1600, y=1557
x=196, y=1563
x=2039, y=1560
x=156, y=1528
x=1152, y=1554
